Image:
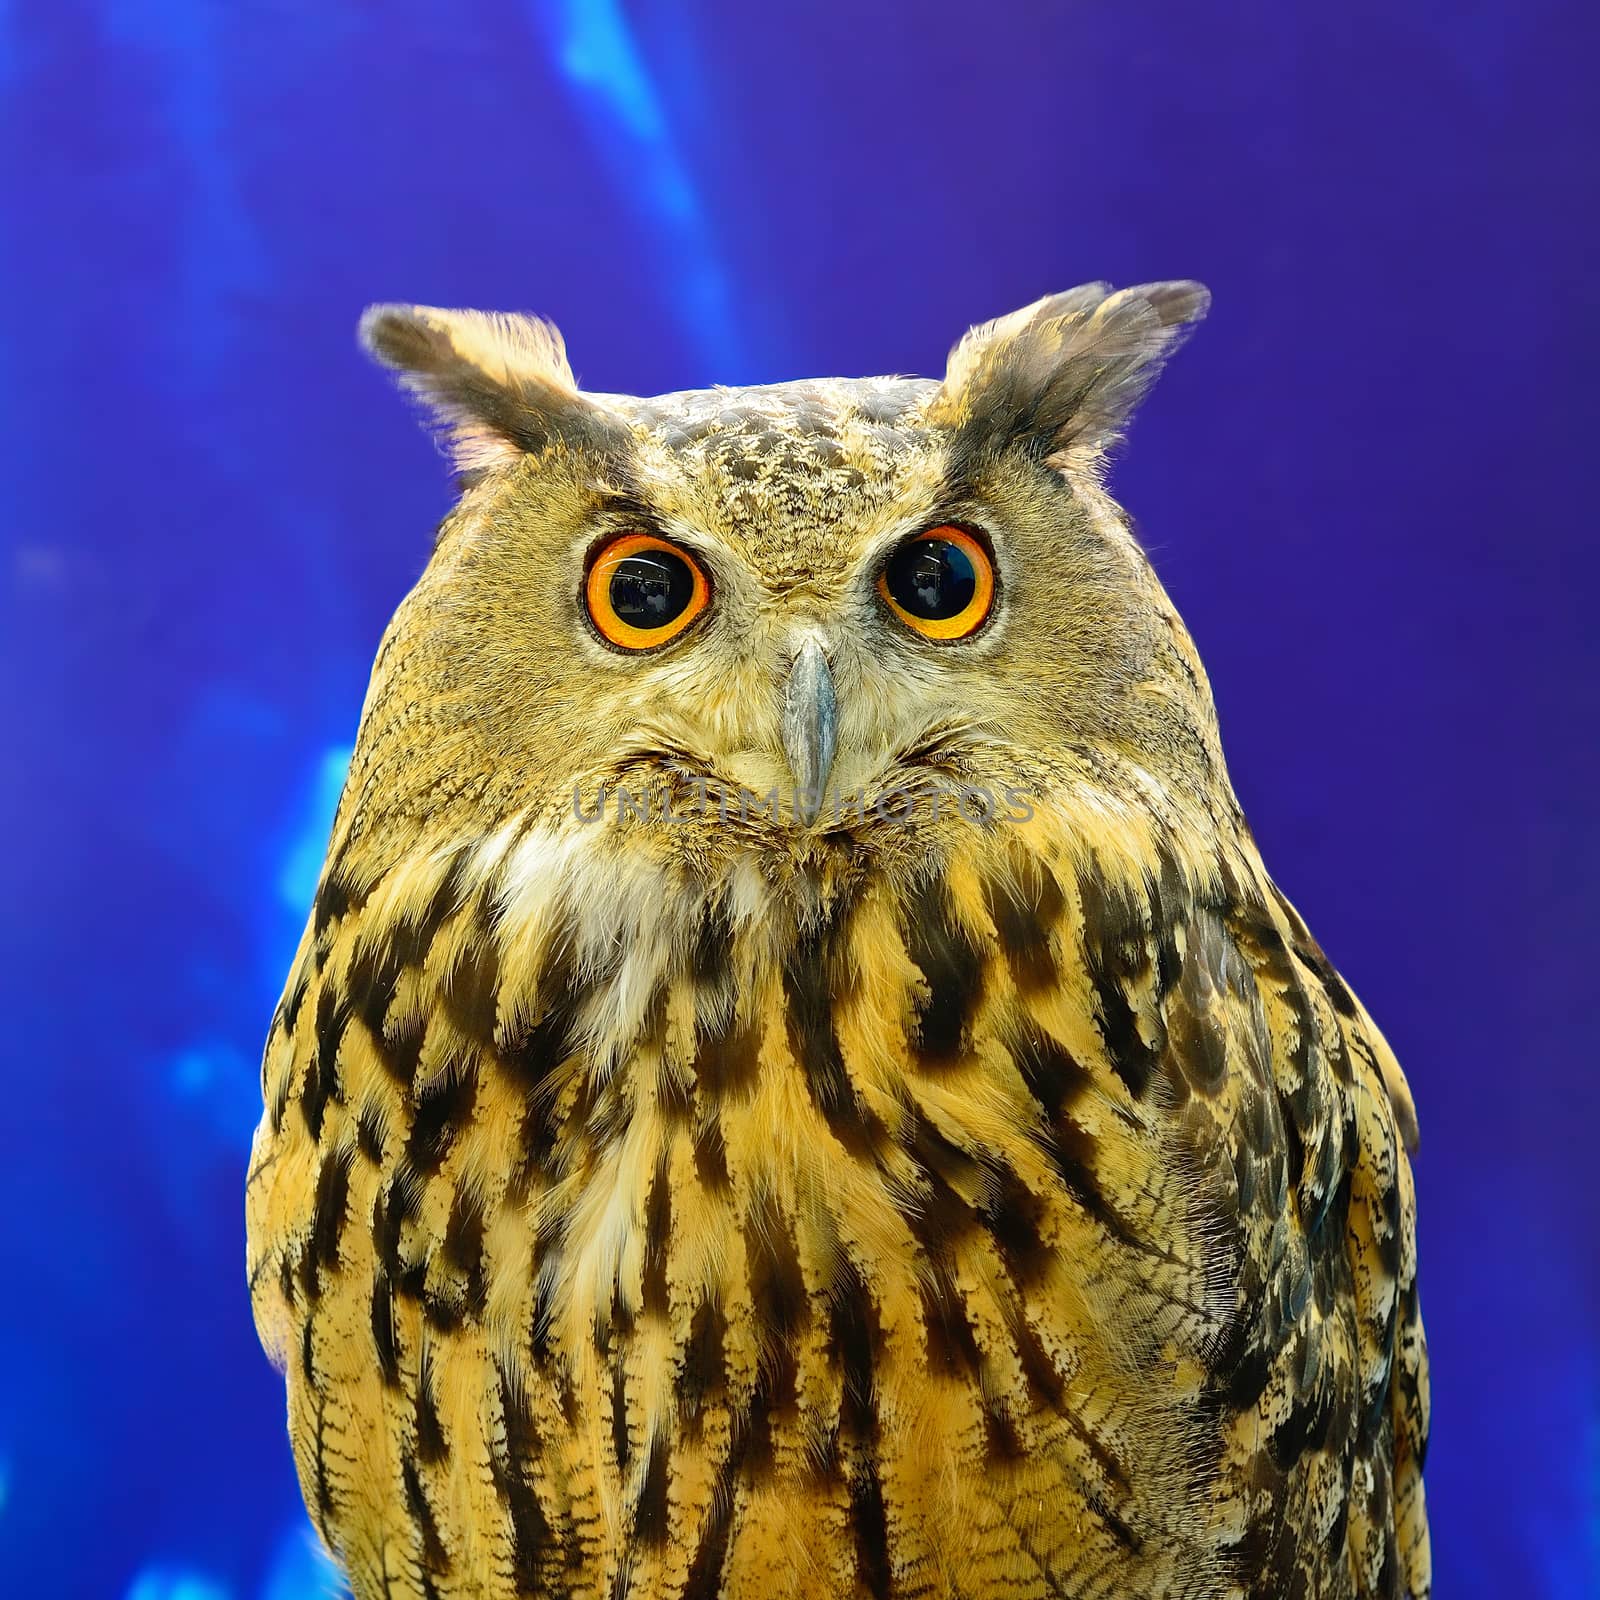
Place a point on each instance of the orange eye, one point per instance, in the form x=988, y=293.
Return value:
x=642, y=591
x=940, y=582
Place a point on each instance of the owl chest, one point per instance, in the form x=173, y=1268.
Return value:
x=801, y=1294
x=817, y=1272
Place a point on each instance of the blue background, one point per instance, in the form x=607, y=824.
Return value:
x=1368, y=482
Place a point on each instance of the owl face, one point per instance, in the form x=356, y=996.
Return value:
x=806, y=617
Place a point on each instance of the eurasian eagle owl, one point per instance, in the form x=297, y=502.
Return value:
x=797, y=1081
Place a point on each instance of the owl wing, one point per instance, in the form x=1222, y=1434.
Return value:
x=1350, y=1125
x=381, y=1242
x=1298, y=1117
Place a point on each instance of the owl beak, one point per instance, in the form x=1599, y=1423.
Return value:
x=810, y=728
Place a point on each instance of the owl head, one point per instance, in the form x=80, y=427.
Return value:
x=859, y=616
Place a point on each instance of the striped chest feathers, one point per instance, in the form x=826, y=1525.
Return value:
x=634, y=1224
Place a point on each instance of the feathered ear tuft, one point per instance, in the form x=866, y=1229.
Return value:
x=1063, y=375
x=496, y=386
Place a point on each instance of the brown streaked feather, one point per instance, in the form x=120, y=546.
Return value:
x=1002, y=1154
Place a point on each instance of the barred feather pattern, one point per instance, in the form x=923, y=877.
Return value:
x=1030, y=1219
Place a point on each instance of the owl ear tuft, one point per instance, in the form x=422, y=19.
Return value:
x=1063, y=375
x=496, y=386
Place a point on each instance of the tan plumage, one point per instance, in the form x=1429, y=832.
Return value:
x=892, y=1205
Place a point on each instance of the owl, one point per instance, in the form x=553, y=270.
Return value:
x=797, y=1081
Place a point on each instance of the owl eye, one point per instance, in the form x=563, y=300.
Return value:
x=642, y=591
x=941, y=583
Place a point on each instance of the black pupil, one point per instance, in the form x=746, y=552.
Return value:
x=932, y=578
x=651, y=589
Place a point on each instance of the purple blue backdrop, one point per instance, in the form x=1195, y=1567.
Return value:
x=1367, y=482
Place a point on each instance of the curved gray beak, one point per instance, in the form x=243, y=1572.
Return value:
x=809, y=728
